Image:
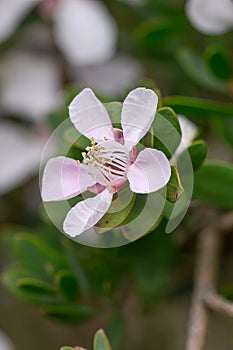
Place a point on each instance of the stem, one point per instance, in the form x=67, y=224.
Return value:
x=205, y=297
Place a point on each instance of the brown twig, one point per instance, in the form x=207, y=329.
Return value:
x=205, y=296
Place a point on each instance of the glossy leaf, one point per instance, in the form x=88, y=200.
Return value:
x=214, y=184
x=117, y=215
x=218, y=61
x=165, y=134
x=198, y=107
x=101, y=341
x=36, y=256
x=174, y=186
x=114, y=110
x=197, y=151
x=69, y=313
x=66, y=284
x=194, y=66
x=28, y=288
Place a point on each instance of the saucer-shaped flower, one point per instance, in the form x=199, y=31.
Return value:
x=210, y=17
x=110, y=161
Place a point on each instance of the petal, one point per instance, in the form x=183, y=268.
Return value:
x=210, y=16
x=138, y=113
x=11, y=14
x=87, y=213
x=90, y=117
x=85, y=31
x=20, y=155
x=64, y=178
x=150, y=172
x=5, y=342
x=30, y=84
x=188, y=132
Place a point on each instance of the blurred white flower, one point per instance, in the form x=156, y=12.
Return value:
x=12, y=13
x=210, y=16
x=30, y=84
x=20, y=155
x=84, y=30
x=5, y=342
x=112, y=78
x=188, y=133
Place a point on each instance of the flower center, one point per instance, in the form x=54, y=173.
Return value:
x=107, y=161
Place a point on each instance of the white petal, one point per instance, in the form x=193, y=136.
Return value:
x=210, y=16
x=5, y=342
x=123, y=70
x=90, y=117
x=87, y=213
x=20, y=155
x=150, y=172
x=85, y=31
x=64, y=178
x=188, y=133
x=138, y=113
x=30, y=85
x=12, y=13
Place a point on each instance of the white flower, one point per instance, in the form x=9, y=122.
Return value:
x=210, y=16
x=188, y=133
x=111, y=159
x=20, y=155
x=30, y=84
x=84, y=30
x=5, y=342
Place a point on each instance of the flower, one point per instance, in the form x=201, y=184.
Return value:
x=110, y=161
x=188, y=133
x=84, y=30
x=210, y=16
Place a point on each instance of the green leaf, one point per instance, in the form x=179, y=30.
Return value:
x=66, y=284
x=120, y=208
x=34, y=286
x=27, y=288
x=197, y=151
x=198, y=107
x=116, y=329
x=214, y=184
x=195, y=68
x=74, y=138
x=165, y=133
x=218, y=61
x=174, y=187
x=101, y=341
x=114, y=110
x=69, y=313
x=151, y=33
x=224, y=128
x=36, y=256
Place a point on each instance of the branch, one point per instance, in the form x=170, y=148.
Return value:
x=204, y=296
x=205, y=277
x=217, y=303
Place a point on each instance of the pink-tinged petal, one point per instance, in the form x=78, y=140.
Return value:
x=87, y=213
x=116, y=185
x=97, y=188
x=118, y=136
x=64, y=178
x=90, y=117
x=138, y=113
x=150, y=172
